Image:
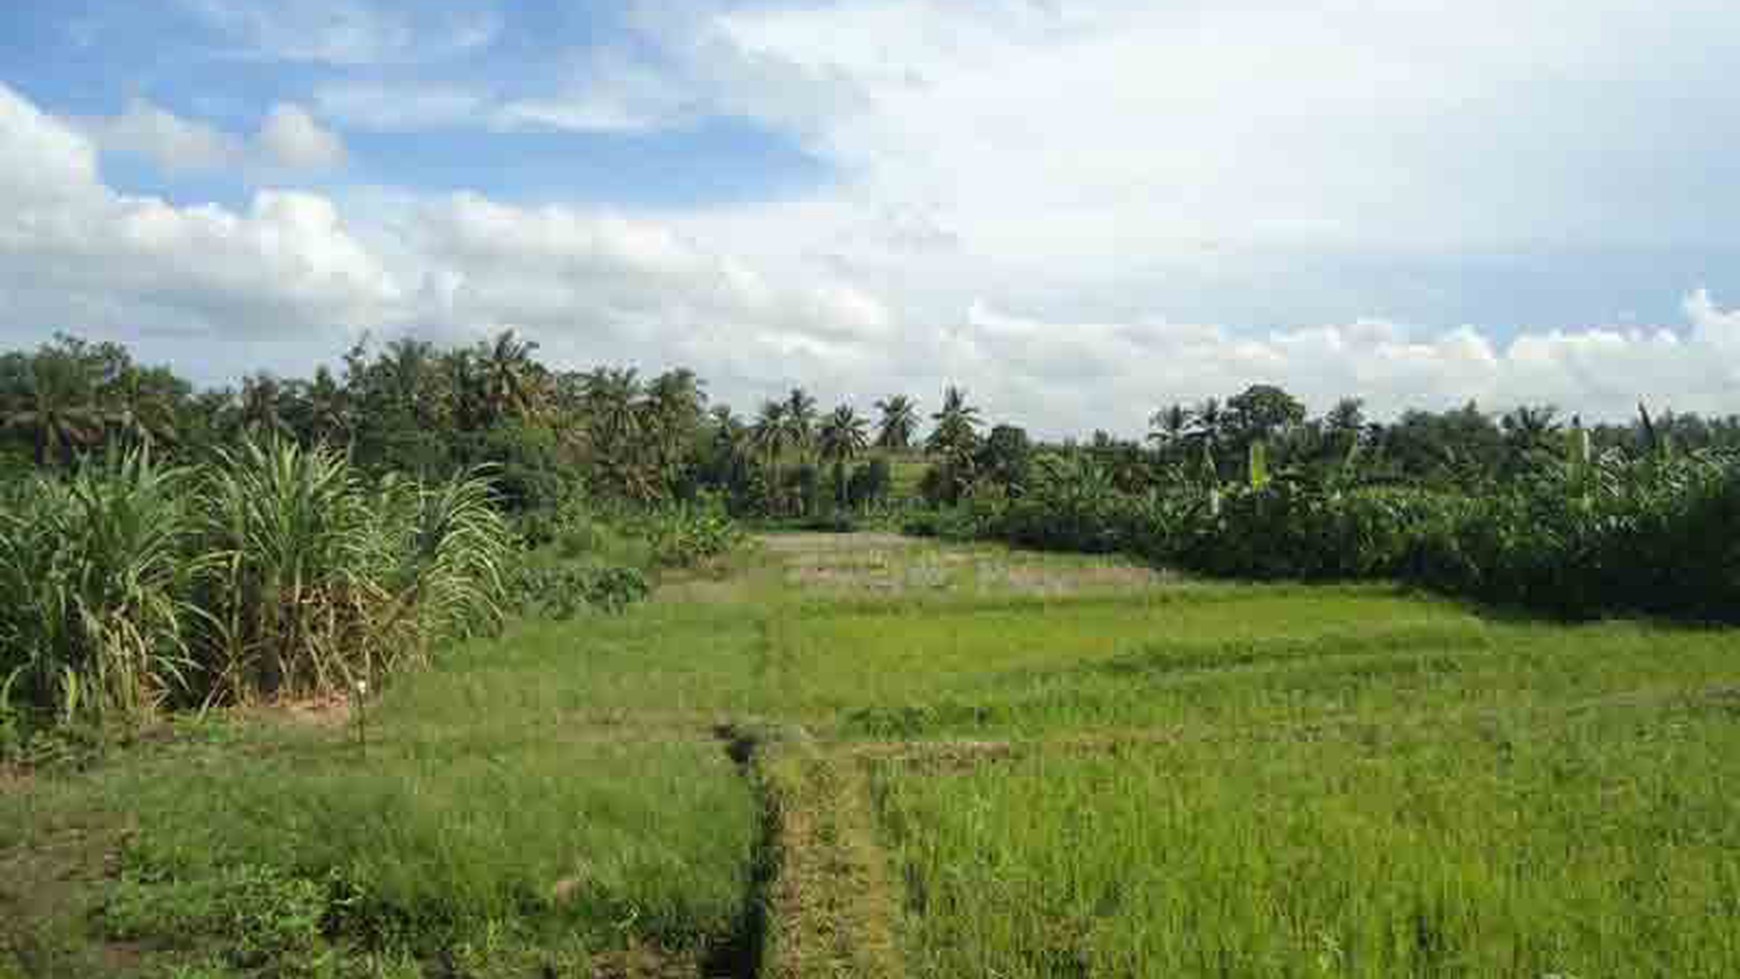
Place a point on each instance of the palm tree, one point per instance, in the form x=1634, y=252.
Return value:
x=729, y=449
x=327, y=409
x=261, y=411
x=512, y=382
x=956, y=431
x=56, y=405
x=142, y=406
x=730, y=435
x=610, y=399
x=954, y=441
x=1210, y=423
x=673, y=406
x=842, y=438
x=1530, y=433
x=676, y=398
x=899, y=423
x=610, y=402
x=1168, y=426
x=769, y=435
x=407, y=367
x=799, y=412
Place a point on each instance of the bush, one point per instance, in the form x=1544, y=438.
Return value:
x=1653, y=536
x=870, y=483
x=959, y=523
x=837, y=522
x=564, y=591
x=690, y=536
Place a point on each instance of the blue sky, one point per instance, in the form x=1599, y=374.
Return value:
x=1079, y=208
x=92, y=57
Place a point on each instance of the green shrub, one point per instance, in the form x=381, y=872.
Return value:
x=563, y=591
x=1654, y=535
x=959, y=523
x=870, y=483
x=837, y=522
x=690, y=536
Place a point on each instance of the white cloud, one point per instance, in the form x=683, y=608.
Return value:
x=289, y=138
x=869, y=301
x=1101, y=157
x=71, y=245
x=48, y=163
x=174, y=143
x=292, y=138
x=350, y=32
x=1114, y=374
x=601, y=287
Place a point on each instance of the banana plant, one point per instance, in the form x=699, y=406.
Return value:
x=1259, y=464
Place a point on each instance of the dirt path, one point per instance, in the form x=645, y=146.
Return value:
x=832, y=909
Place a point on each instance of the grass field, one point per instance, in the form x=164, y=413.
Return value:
x=958, y=761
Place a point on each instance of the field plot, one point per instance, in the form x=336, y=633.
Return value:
x=1579, y=849
x=1207, y=780
x=480, y=832
x=868, y=756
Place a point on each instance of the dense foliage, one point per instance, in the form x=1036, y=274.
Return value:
x=163, y=544
x=1658, y=534
x=272, y=570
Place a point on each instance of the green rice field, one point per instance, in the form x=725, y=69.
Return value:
x=865, y=755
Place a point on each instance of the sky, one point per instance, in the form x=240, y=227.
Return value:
x=1079, y=210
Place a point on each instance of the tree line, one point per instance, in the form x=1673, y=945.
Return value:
x=410, y=406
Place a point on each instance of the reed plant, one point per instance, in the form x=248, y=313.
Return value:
x=273, y=570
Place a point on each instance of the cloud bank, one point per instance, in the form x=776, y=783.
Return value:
x=1079, y=211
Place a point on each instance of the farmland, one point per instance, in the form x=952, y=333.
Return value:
x=871, y=755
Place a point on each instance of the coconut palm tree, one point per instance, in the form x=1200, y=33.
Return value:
x=725, y=452
x=730, y=435
x=957, y=424
x=842, y=438
x=673, y=408
x=142, y=405
x=609, y=398
x=1531, y=435
x=260, y=412
x=769, y=435
x=799, y=412
x=326, y=409
x=954, y=441
x=55, y=403
x=899, y=423
x=512, y=381
x=1168, y=426
x=613, y=413
x=1209, y=423
x=409, y=367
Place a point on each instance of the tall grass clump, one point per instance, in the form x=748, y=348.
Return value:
x=95, y=617
x=271, y=571
x=314, y=580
